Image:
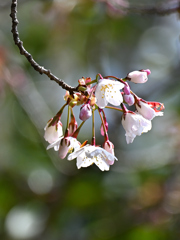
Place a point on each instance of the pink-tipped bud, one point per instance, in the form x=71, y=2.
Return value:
x=129, y=99
x=127, y=89
x=147, y=71
x=63, y=148
x=109, y=147
x=139, y=76
x=72, y=128
x=85, y=112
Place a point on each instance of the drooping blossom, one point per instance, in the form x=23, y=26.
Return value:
x=64, y=145
x=89, y=154
x=67, y=145
x=147, y=110
x=108, y=91
x=140, y=76
x=53, y=131
x=134, y=125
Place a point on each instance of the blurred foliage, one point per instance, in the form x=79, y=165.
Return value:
x=43, y=197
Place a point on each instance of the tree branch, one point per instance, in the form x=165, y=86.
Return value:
x=29, y=57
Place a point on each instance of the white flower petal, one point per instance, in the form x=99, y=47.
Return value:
x=67, y=145
x=89, y=154
x=75, y=154
x=52, y=133
x=138, y=76
x=108, y=91
x=135, y=125
x=114, y=97
x=55, y=144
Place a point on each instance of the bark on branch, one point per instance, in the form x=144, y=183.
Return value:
x=29, y=57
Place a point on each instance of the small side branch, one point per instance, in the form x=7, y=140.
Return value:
x=29, y=57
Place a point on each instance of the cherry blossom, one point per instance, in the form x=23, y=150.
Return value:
x=89, y=154
x=134, y=125
x=108, y=91
x=94, y=95
x=67, y=145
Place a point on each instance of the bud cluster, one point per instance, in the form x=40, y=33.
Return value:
x=95, y=95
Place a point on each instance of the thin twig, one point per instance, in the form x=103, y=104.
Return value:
x=29, y=57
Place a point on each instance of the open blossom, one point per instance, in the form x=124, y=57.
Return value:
x=89, y=154
x=147, y=111
x=108, y=91
x=64, y=145
x=134, y=125
x=53, y=132
x=139, y=76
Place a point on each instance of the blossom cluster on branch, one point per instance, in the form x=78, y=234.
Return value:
x=96, y=95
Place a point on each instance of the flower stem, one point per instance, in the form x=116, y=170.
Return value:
x=57, y=117
x=122, y=80
x=93, y=128
x=67, y=125
x=58, y=114
x=118, y=109
x=94, y=81
x=104, y=128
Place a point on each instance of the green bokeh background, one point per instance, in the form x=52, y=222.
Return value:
x=44, y=197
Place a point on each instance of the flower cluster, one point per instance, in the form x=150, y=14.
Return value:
x=95, y=95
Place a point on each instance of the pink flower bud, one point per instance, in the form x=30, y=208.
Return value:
x=85, y=112
x=127, y=89
x=139, y=76
x=109, y=147
x=72, y=128
x=64, y=147
x=129, y=99
x=147, y=71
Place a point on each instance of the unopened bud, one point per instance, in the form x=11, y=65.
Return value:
x=109, y=147
x=139, y=76
x=127, y=89
x=85, y=112
x=129, y=99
